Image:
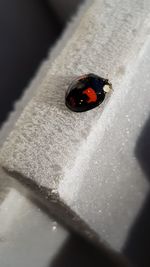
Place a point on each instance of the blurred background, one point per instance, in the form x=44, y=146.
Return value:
x=28, y=30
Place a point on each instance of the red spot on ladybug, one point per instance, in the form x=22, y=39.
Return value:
x=92, y=97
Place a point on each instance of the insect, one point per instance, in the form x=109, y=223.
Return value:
x=87, y=92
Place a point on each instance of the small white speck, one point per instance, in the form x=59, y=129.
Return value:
x=140, y=126
x=127, y=116
x=54, y=191
x=54, y=227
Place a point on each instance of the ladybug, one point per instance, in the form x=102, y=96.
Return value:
x=87, y=92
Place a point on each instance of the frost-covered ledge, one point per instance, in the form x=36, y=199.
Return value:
x=82, y=159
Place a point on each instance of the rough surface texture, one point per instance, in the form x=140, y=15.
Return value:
x=111, y=177
x=53, y=147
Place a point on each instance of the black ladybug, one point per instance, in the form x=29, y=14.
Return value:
x=87, y=92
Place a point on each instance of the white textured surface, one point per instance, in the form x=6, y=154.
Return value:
x=47, y=136
x=112, y=177
x=49, y=143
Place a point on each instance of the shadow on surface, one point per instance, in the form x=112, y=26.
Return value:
x=79, y=252
x=138, y=243
x=76, y=251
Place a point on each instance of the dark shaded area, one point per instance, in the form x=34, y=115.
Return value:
x=27, y=30
x=137, y=247
x=142, y=150
x=64, y=9
x=78, y=252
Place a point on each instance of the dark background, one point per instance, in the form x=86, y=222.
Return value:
x=28, y=29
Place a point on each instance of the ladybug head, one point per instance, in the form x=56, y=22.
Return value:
x=107, y=87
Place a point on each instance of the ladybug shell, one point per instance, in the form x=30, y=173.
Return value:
x=86, y=93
